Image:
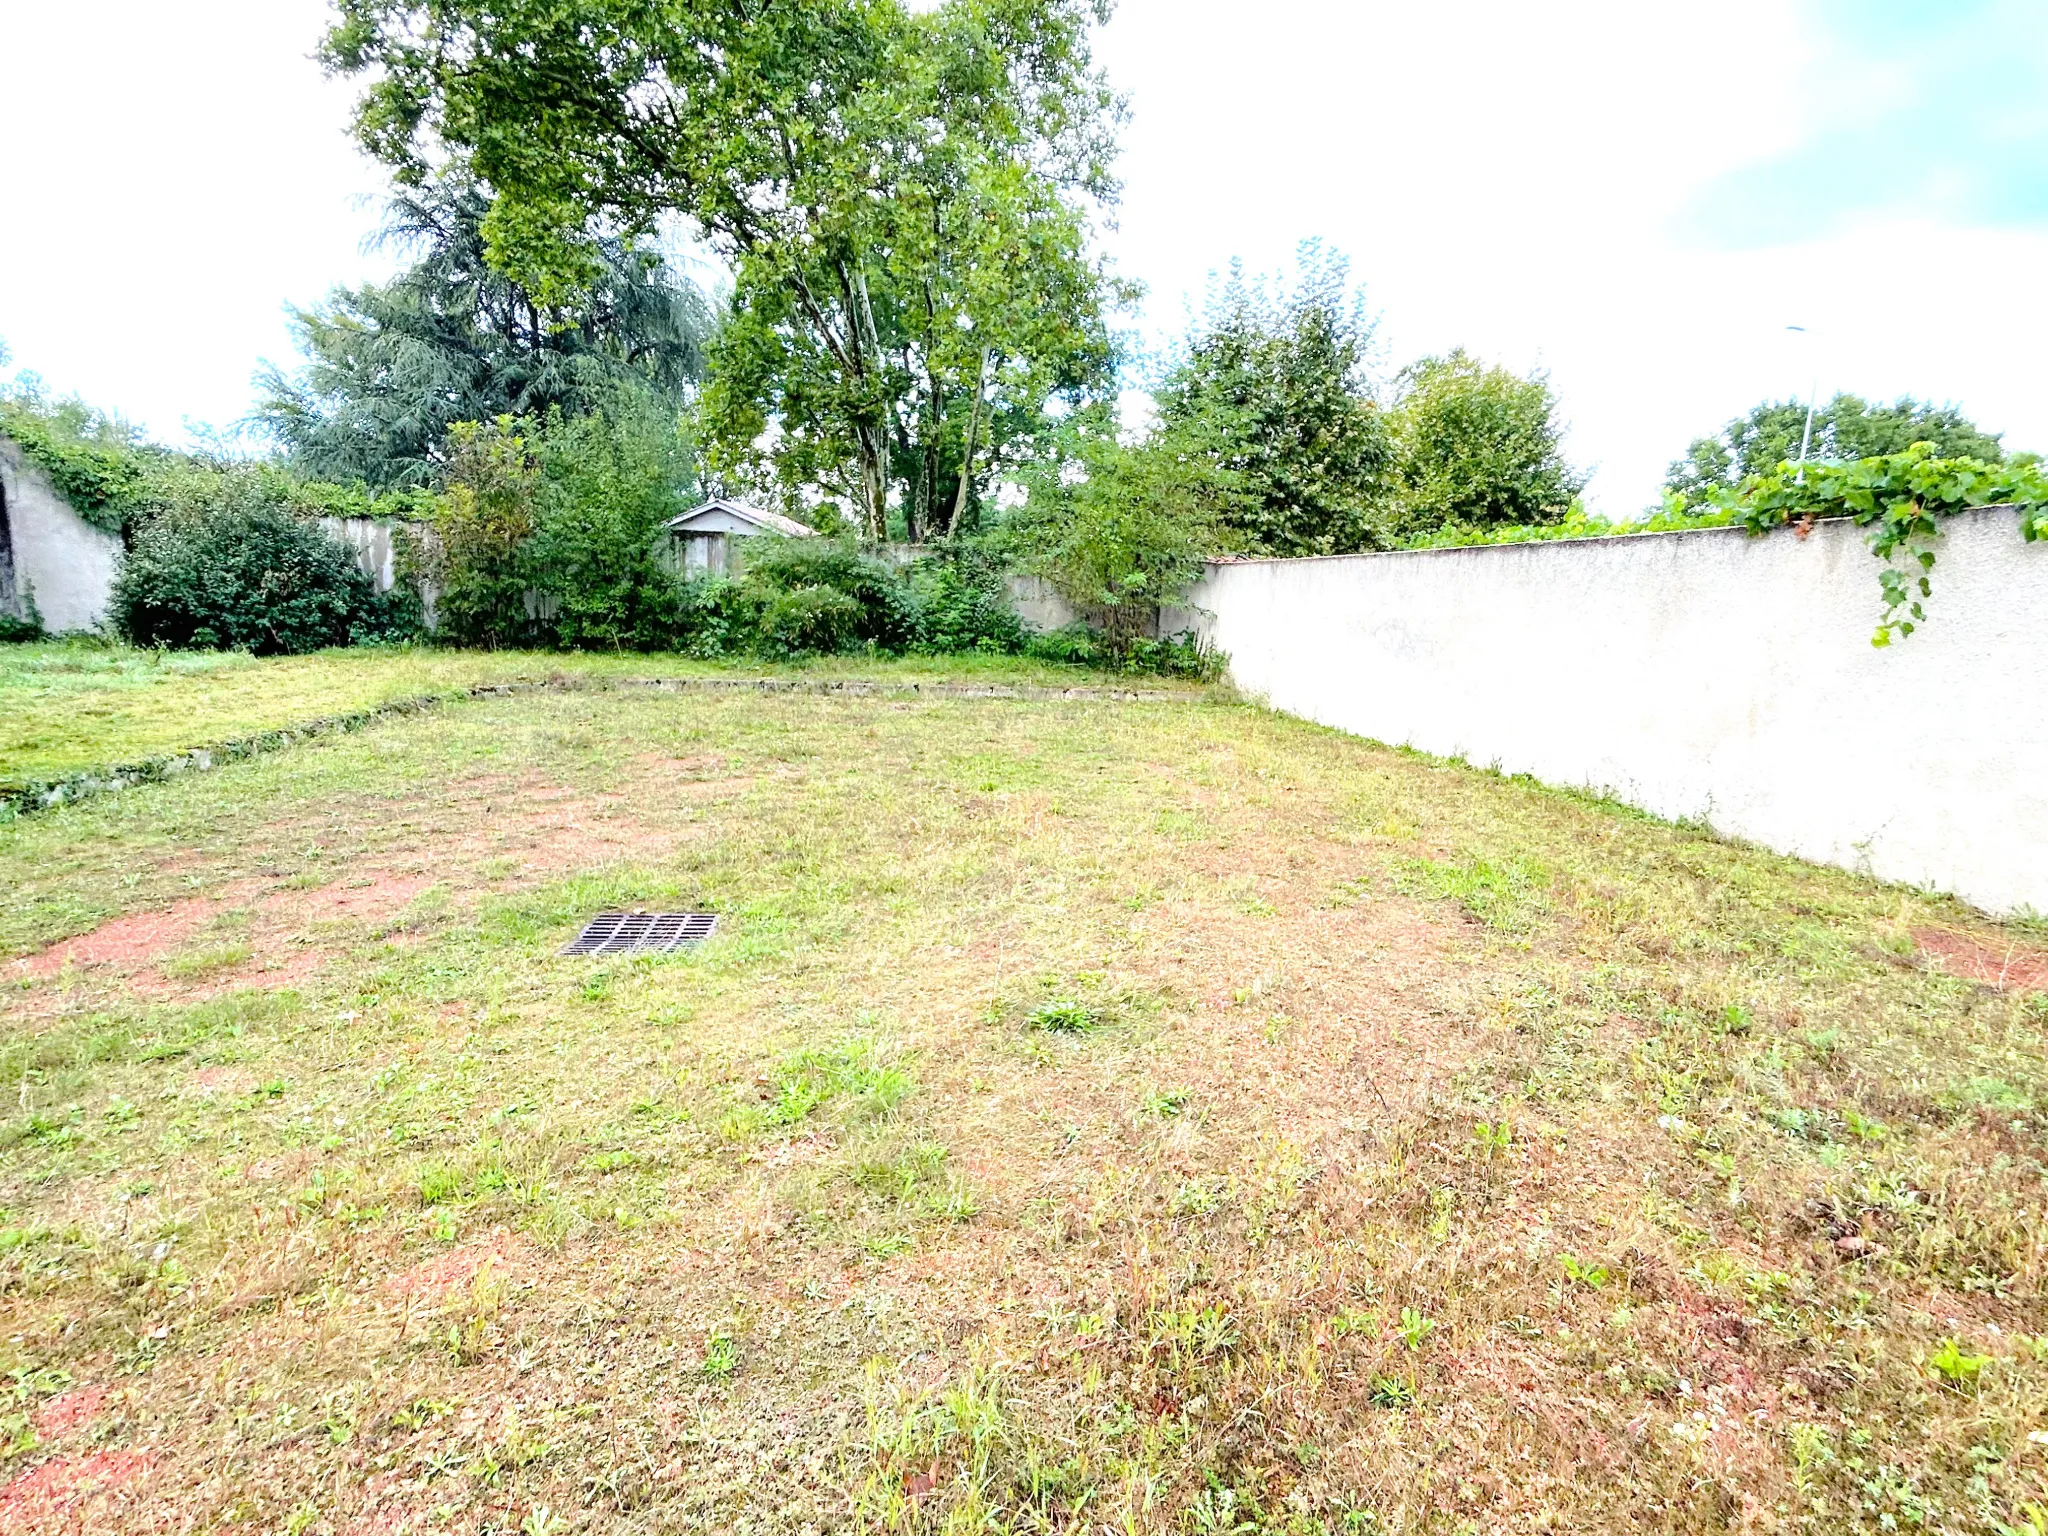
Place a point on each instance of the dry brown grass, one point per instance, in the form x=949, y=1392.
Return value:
x=1162, y=1117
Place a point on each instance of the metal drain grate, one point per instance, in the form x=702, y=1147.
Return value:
x=610, y=932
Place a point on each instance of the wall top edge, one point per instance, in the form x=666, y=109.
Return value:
x=1724, y=530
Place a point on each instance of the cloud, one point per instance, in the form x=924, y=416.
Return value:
x=1927, y=110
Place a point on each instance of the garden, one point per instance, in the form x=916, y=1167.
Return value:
x=1148, y=1114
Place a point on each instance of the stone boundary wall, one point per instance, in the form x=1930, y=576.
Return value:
x=1702, y=675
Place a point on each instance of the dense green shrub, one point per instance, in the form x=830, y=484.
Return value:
x=712, y=617
x=810, y=621
x=881, y=611
x=1077, y=645
x=1478, y=446
x=240, y=570
x=1272, y=392
x=963, y=604
x=1120, y=530
x=15, y=631
x=550, y=532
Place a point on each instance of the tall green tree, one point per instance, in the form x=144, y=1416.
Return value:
x=391, y=367
x=1477, y=446
x=902, y=197
x=1845, y=428
x=1272, y=388
x=1120, y=529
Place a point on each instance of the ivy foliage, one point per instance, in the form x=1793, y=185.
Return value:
x=97, y=462
x=1901, y=498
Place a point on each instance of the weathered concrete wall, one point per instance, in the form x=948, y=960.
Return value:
x=58, y=559
x=373, y=542
x=1704, y=674
x=1040, y=607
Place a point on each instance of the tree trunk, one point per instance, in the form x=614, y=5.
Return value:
x=967, y=447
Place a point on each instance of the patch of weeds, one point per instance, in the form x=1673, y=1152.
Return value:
x=1504, y=896
x=886, y=1245
x=1955, y=1368
x=1198, y=1197
x=1579, y=1272
x=439, y=1184
x=1393, y=1392
x=1493, y=1137
x=470, y=1336
x=898, y=1177
x=1414, y=1329
x=208, y=961
x=1062, y=1017
x=1217, y=1511
x=1167, y=1102
x=1861, y=1128
x=721, y=1357
x=854, y=1078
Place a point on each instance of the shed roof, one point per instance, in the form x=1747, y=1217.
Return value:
x=722, y=507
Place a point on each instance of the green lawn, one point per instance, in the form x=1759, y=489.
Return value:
x=70, y=706
x=1152, y=1117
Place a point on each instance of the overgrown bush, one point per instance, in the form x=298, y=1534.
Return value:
x=550, y=532
x=238, y=569
x=1077, y=645
x=1119, y=530
x=1476, y=447
x=15, y=631
x=810, y=621
x=878, y=611
x=963, y=604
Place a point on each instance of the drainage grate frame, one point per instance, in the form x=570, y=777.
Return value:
x=611, y=933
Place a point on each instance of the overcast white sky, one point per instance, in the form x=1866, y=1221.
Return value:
x=1637, y=197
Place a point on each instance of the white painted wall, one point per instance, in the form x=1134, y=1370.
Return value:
x=60, y=559
x=1704, y=674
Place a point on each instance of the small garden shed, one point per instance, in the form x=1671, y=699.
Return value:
x=702, y=539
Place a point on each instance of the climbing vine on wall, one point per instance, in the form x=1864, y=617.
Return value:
x=92, y=467
x=1901, y=498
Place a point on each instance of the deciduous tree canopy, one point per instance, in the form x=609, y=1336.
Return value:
x=902, y=198
x=1478, y=446
x=1844, y=429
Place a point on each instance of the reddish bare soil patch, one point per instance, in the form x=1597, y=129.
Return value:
x=443, y=1275
x=218, y=1082
x=1964, y=957
x=51, y=1496
x=138, y=939
x=73, y=1410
